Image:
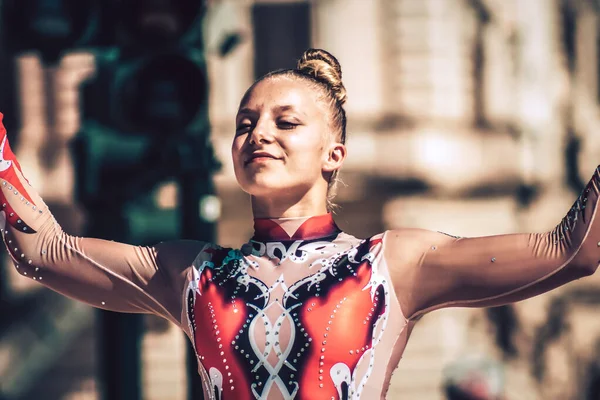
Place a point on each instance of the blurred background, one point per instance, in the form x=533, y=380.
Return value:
x=472, y=117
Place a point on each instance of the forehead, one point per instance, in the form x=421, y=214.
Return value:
x=281, y=91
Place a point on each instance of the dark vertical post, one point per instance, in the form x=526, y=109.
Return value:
x=9, y=107
x=51, y=146
x=282, y=31
x=483, y=17
x=568, y=14
x=120, y=356
x=119, y=335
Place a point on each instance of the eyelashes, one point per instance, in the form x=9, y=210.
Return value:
x=282, y=125
x=241, y=129
x=287, y=125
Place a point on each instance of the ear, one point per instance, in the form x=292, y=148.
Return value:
x=334, y=157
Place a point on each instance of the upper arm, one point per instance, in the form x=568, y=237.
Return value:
x=404, y=251
x=432, y=270
x=174, y=259
x=106, y=274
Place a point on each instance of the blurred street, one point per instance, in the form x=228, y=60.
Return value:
x=469, y=117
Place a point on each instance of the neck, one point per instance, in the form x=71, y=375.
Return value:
x=288, y=206
x=302, y=228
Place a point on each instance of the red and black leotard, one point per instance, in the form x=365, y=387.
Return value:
x=302, y=310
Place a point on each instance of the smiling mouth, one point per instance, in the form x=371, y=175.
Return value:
x=260, y=160
x=260, y=157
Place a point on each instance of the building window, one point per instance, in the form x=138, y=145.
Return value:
x=282, y=32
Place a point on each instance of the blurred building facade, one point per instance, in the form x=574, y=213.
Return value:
x=472, y=117
x=492, y=106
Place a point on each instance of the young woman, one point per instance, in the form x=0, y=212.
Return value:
x=302, y=310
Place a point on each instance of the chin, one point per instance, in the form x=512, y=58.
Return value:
x=260, y=185
x=265, y=186
x=263, y=189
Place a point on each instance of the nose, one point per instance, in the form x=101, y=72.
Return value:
x=260, y=134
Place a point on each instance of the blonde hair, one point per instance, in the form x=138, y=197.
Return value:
x=322, y=69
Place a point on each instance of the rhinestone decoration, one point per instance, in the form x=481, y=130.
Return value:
x=248, y=315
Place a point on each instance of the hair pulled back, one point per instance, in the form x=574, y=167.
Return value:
x=323, y=70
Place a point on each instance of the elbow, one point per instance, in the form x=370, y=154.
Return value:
x=583, y=267
x=582, y=258
x=31, y=253
x=589, y=268
x=586, y=260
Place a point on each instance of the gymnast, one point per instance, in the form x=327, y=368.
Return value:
x=302, y=310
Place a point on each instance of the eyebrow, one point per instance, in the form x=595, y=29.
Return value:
x=246, y=110
x=283, y=108
x=288, y=107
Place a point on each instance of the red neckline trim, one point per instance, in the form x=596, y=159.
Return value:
x=269, y=229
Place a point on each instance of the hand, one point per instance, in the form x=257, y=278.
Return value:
x=6, y=154
x=10, y=174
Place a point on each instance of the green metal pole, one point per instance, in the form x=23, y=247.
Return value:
x=119, y=335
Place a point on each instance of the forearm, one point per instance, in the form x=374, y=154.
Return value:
x=101, y=273
x=571, y=250
x=104, y=274
x=494, y=270
x=510, y=268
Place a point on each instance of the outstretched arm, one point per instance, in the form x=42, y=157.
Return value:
x=104, y=274
x=432, y=270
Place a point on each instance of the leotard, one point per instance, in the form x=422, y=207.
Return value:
x=302, y=310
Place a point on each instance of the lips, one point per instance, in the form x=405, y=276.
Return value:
x=260, y=156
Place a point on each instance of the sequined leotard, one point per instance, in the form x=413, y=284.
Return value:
x=307, y=312
x=302, y=310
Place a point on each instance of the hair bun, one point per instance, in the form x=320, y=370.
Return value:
x=325, y=68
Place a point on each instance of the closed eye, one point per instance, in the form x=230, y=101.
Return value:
x=243, y=128
x=286, y=125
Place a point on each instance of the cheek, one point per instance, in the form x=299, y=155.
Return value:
x=306, y=158
x=305, y=146
x=236, y=148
